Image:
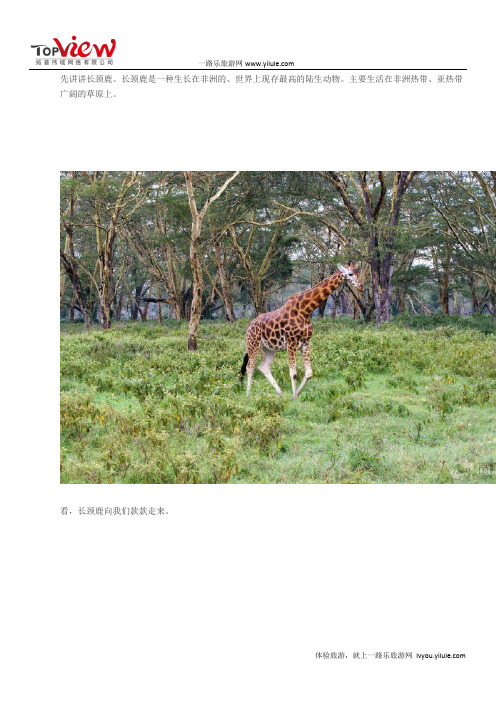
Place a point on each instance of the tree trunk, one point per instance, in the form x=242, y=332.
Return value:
x=172, y=284
x=159, y=306
x=69, y=262
x=383, y=288
x=144, y=314
x=444, y=298
x=135, y=304
x=224, y=285
x=70, y=265
x=71, y=309
x=334, y=306
x=473, y=293
x=118, y=306
x=383, y=311
x=105, y=294
x=194, y=320
x=196, y=226
x=456, y=307
x=105, y=318
x=492, y=297
x=105, y=240
x=356, y=310
x=196, y=302
x=259, y=299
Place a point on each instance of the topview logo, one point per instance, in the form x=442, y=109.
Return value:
x=74, y=50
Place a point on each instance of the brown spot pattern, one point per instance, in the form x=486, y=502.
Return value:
x=289, y=327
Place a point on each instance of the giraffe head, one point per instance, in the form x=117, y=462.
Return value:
x=350, y=274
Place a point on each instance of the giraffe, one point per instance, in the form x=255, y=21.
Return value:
x=290, y=328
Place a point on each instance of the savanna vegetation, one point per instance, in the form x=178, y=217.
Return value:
x=161, y=273
x=400, y=403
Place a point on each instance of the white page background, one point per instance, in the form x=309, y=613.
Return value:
x=230, y=595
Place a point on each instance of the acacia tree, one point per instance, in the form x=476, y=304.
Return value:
x=220, y=261
x=375, y=206
x=259, y=256
x=320, y=246
x=104, y=200
x=221, y=282
x=108, y=214
x=197, y=217
x=478, y=241
x=191, y=239
x=223, y=263
x=442, y=262
x=68, y=256
x=467, y=205
x=249, y=239
x=158, y=234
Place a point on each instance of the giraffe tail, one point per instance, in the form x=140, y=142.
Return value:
x=243, y=367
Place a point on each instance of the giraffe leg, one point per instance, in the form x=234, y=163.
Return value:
x=292, y=368
x=305, y=351
x=250, y=368
x=253, y=342
x=264, y=367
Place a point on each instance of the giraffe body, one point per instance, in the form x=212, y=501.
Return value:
x=289, y=328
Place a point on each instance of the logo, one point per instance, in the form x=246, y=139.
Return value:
x=73, y=50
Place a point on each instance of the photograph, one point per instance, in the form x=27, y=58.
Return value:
x=278, y=327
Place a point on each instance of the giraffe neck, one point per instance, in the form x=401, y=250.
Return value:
x=321, y=291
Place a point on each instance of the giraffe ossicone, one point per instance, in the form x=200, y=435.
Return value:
x=289, y=328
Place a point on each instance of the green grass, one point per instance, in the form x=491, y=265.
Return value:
x=411, y=401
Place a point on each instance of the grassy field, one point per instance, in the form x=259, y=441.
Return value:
x=411, y=402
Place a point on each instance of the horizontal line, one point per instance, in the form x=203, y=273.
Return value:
x=96, y=68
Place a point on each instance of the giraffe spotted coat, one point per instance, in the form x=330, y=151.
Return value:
x=289, y=328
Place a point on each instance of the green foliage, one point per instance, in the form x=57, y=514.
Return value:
x=478, y=322
x=354, y=376
x=392, y=404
